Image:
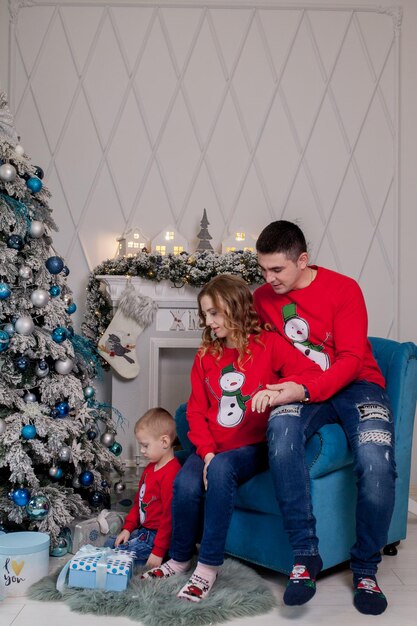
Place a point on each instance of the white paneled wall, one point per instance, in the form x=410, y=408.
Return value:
x=145, y=113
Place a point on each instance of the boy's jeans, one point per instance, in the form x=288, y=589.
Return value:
x=195, y=510
x=140, y=542
x=363, y=410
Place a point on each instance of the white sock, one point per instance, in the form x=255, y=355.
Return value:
x=170, y=568
x=198, y=586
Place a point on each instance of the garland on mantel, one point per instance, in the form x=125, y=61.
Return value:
x=194, y=269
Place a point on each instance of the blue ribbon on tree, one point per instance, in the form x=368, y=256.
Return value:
x=19, y=208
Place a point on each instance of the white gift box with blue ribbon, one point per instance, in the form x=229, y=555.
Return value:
x=98, y=568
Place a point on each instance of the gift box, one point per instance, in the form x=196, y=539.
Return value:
x=24, y=559
x=101, y=568
x=96, y=530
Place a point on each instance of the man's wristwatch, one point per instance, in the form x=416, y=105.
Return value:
x=306, y=395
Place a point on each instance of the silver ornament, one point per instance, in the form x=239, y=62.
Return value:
x=19, y=150
x=64, y=366
x=76, y=483
x=36, y=229
x=119, y=487
x=7, y=173
x=40, y=298
x=2, y=427
x=25, y=272
x=29, y=397
x=9, y=329
x=53, y=471
x=107, y=439
x=64, y=453
x=24, y=325
x=67, y=298
x=41, y=372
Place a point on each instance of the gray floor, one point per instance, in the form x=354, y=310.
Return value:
x=332, y=604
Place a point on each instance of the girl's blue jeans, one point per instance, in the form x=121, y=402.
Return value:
x=198, y=513
x=140, y=542
x=364, y=412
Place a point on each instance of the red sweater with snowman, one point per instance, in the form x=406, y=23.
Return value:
x=219, y=410
x=152, y=505
x=328, y=323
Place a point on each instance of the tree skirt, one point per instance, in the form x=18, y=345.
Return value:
x=238, y=592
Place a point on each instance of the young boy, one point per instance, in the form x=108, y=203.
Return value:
x=147, y=527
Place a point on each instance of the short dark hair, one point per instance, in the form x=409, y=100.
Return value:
x=282, y=236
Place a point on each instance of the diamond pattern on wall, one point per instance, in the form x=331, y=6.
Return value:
x=146, y=115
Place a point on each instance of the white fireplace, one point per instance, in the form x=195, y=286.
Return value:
x=165, y=353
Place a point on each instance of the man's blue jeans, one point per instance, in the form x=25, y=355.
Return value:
x=196, y=511
x=364, y=412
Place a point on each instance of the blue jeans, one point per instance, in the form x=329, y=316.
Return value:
x=140, y=542
x=195, y=510
x=364, y=412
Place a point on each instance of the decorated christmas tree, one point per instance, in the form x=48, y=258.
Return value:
x=57, y=443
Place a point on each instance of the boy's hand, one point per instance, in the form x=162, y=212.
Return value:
x=153, y=561
x=122, y=537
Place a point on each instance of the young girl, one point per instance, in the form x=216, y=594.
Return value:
x=234, y=363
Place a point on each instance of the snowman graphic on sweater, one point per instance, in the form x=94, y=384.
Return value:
x=142, y=505
x=232, y=404
x=296, y=328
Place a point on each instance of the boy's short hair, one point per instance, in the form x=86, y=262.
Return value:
x=282, y=236
x=159, y=422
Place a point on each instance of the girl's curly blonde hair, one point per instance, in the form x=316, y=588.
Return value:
x=232, y=296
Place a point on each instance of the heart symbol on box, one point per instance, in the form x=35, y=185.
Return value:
x=17, y=567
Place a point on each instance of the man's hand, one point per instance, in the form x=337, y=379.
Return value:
x=122, y=537
x=153, y=560
x=276, y=395
x=207, y=459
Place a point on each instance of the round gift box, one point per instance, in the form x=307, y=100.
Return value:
x=24, y=559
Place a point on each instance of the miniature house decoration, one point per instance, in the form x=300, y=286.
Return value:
x=169, y=240
x=240, y=240
x=132, y=242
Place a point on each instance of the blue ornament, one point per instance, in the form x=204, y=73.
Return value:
x=4, y=340
x=55, y=290
x=9, y=329
x=21, y=496
x=16, y=242
x=28, y=431
x=34, y=184
x=86, y=478
x=61, y=547
x=72, y=308
x=56, y=473
x=5, y=291
x=62, y=408
x=65, y=271
x=54, y=264
x=54, y=413
x=116, y=448
x=59, y=334
x=91, y=434
x=39, y=172
x=104, y=484
x=95, y=499
x=38, y=507
x=22, y=363
x=89, y=392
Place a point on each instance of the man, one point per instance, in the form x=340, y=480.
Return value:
x=323, y=314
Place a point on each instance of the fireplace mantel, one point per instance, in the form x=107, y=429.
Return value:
x=163, y=291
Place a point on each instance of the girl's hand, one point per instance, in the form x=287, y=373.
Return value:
x=122, y=537
x=207, y=459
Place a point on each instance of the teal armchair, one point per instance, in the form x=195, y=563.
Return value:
x=256, y=533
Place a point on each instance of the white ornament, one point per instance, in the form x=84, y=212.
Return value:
x=7, y=173
x=40, y=298
x=29, y=397
x=64, y=366
x=19, y=150
x=64, y=453
x=24, y=325
x=25, y=272
x=36, y=229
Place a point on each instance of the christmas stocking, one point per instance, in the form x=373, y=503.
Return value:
x=118, y=344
